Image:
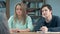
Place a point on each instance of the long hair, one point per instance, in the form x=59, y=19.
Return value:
x=23, y=7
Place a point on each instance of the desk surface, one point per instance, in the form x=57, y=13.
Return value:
x=37, y=33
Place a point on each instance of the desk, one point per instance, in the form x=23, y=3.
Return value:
x=25, y=33
x=52, y=32
x=37, y=33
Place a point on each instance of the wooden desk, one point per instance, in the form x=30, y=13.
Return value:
x=37, y=33
x=25, y=33
x=52, y=32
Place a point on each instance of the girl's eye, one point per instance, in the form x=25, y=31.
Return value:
x=20, y=9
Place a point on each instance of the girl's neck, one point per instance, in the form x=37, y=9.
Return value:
x=19, y=17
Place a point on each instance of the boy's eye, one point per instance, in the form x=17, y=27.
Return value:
x=45, y=10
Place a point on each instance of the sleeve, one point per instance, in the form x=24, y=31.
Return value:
x=39, y=24
x=55, y=29
x=30, y=25
x=3, y=24
x=10, y=21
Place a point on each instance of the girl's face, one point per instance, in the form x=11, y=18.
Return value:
x=18, y=10
x=46, y=12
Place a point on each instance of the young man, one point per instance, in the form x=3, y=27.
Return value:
x=49, y=22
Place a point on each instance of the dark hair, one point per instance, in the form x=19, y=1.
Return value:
x=46, y=5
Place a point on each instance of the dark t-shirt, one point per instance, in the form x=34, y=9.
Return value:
x=53, y=25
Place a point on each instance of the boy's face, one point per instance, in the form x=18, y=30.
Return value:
x=46, y=12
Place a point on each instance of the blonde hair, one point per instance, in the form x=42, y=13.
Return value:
x=23, y=7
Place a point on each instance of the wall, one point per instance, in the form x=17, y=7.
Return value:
x=55, y=5
x=2, y=0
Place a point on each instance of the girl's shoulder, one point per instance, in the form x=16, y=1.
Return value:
x=11, y=16
x=28, y=17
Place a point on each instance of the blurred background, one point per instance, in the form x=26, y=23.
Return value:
x=33, y=7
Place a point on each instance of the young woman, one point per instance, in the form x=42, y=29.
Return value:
x=20, y=22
